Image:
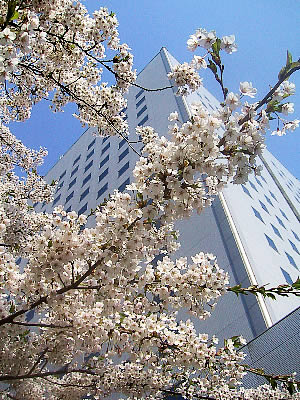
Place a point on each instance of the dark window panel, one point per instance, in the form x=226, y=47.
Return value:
x=263, y=206
x=296, y=236
x=283, y=214
x=82, y=196
x=86, y=179
x=294, y=247
x=287, y=276
x=58, y=188
x=257, y=214
x=140, y=102
x=56, y=200
x=102, y=190
x=141, y=111
x=122, y=187
x=246, y=191
x=291, y=260
x=139, y=93
x=105, y=148
x=89, y=165
x=124, y=154
x=143, y=121
x=103, y=175
x=91, y=144
x=276, y=231
x=105, y=139
x=69, y=197
x=123, y=141
x=83, y=209
x=271, y=243
x=72, y=183
x=90, y=154
x=104, y=161
x=62, y=175
x=77, y=159
x=74, y=171
x=123, y=169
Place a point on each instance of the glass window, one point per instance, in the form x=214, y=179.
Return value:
x=253, y=186
x=82, y=196
x=271, y=243
x=291, y=260
x=91, y=144
x=103, y=175
x=276, y=231
x=90, y=154
x=141, y=111
x=56, y=200
x=123, y=169
x=280, y=222
x=122, y=187
x=263, y=206
x=89, y=165
x=86, y=179
x=294, y=247
x=74, y=171
x=69, y=209
x=287, y=276
x=246, y=191
x=102, y=190
x=83, y=209
x=139, y=93
x=283, y=214
x=263, y=179
x=69, y=197
x=58, y=188
x=104, y=161
x=258, y=181
x=296, y=236
x=257, y=214
x=143, y=121
x=62, y=175
x=273, y=195
x=125, y=152
x=269, y=200
x=140, y=102
x=77, y=159
x=123, y=141
x=72, y=183
x=124, y=110
x=105, y=148
x=105, y=139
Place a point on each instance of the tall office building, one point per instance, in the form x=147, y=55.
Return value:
x=253, y=229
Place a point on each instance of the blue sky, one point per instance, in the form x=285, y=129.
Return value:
x=264, y=30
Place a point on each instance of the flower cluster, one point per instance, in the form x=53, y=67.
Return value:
x=106, y=299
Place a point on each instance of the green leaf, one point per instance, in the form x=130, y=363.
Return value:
x=50, y=243
x=289, y=58
x=212, y=66
x=216, y=46
x=291, y=388
x=296, y=284
x=271, y=295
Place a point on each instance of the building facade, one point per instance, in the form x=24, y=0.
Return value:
x=253, y=229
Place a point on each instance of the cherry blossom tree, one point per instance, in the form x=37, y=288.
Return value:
x=105, y=314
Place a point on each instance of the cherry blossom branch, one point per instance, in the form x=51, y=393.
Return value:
x=281, y=290
x=41, y=325
x=72, y=94
x=44, y=299
x=269, y=95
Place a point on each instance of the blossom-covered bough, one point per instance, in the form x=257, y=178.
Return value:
x=105, y=308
